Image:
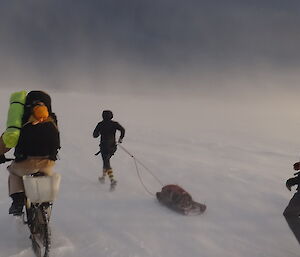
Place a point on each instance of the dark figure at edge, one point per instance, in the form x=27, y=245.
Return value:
x=292, y=211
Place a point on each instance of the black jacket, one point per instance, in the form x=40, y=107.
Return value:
x=107, y=129
x=41, y=139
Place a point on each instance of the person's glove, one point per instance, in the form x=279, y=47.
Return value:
x=120, y=140
x=2, y=158
x=297, y=166
x=291, y=182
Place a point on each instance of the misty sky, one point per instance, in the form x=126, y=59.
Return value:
x=53, y=41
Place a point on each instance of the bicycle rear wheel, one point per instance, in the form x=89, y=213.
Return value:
x=38, y=217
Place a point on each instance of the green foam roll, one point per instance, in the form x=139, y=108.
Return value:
x=11, y=137
x=14, y=119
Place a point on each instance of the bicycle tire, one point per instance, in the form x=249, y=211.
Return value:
x=38, y=217
x=46, y=232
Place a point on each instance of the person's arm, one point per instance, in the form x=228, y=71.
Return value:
x=55, y=142
x=122, y=131
x=292, y=181
x=96, y=132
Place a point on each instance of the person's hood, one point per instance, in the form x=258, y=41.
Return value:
x=107, y=115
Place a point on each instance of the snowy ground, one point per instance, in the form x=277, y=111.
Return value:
x=232, y=154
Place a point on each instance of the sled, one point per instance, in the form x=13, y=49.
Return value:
x=179, y=200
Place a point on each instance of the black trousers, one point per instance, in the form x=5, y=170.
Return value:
x=291, y=214
x=106, y=160
x=108, y=148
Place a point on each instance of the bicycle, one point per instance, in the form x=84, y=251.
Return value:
x=40, y=191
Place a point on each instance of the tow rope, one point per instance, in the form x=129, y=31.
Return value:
x=136, y=162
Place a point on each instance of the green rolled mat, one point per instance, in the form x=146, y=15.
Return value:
x=14, y=119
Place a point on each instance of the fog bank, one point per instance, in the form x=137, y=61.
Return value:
x=155, y=46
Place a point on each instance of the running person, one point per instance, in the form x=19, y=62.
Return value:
x=106, y=129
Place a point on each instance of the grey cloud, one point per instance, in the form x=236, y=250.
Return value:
x=50, y=39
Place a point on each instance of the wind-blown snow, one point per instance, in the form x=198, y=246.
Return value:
x=234, y=155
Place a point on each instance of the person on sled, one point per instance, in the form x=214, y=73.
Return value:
x=37, y=147
x=292, y=211
x=106, y=129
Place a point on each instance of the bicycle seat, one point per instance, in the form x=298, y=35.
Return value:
x=38, y=174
